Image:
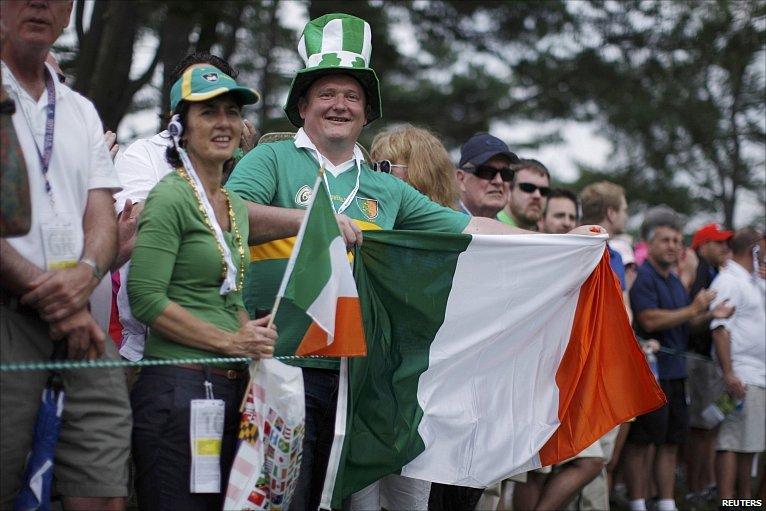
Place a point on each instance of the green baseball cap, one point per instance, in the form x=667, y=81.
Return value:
x=203, y=81
x=335, y=44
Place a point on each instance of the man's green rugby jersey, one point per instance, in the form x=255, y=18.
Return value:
x=280, y=174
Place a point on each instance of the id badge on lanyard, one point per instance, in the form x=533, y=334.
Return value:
x=206, y=434
x=58, y=229
x=60, y=241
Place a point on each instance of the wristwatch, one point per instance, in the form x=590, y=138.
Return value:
x=94, y=267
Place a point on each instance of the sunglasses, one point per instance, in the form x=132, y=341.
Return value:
x=488, y=173
x=530, y=188
x=385, y=166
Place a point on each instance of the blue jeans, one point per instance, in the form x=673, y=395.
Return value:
x=161, y=399
x=321, y=388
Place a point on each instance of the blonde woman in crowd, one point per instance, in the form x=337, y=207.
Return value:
x=415, y=155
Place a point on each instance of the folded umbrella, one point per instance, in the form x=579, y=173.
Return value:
x=35, y=493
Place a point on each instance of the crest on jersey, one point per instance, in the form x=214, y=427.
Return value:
x=303, y=196
x=368, y=207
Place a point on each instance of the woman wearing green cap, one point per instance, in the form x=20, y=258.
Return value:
x=185, y=283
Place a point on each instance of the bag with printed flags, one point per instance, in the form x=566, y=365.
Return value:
x=271, y=430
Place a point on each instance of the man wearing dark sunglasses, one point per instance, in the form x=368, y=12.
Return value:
x=484, y=175
x=529, y=192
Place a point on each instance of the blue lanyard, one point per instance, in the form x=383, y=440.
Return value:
x=47, y=153
x=45, y=157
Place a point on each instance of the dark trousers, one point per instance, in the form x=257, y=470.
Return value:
x=161, y=401
x=445, y=497
x=321, y=388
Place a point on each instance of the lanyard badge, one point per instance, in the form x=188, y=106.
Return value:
x=206, y=434
x=60, y=241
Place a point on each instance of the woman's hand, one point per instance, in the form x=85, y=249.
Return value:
x=254, y=339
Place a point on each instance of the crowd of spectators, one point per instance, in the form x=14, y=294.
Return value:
x=177, y=248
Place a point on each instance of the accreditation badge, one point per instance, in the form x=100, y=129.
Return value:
x=206, y=434
x=60, y=241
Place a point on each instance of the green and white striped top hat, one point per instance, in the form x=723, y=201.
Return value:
x=331, y=44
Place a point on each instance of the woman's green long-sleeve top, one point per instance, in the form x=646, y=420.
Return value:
x=176, y=258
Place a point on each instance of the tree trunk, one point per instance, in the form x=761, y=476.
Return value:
x=271, y=42
x=177, y=27
x=208, y=24
x=111, y=72
x=89, y=43
x=234, y=20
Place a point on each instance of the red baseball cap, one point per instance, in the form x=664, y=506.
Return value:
x=710, y=232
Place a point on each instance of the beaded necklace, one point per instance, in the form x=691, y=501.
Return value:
x=234, y=229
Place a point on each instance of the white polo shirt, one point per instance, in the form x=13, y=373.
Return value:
x=747, y=325
x=140, y=167
x=79, y=162
x=302, y=141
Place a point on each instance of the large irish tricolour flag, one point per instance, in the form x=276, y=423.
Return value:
x=487, y=356
x=318, y=279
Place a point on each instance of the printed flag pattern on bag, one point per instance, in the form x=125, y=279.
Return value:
x=318, y=279
x=271, y=431
x=489, y=356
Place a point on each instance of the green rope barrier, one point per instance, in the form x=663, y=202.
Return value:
x=685, y=354
x=61, y=365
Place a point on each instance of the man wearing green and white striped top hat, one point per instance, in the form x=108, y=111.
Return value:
x=330, y=101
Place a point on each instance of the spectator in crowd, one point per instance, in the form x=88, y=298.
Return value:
x=15, y=208
x=140, y=168
x=662, y=309
x=529, y=191
x=484, y=175
x=704, y=385
x=194, y=308
x=330, y=101
x=418, y=157
x=604, y=203
x=740, y=348
x=45, y=287
x=561, y=212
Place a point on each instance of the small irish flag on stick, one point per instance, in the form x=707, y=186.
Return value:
x=318, y=279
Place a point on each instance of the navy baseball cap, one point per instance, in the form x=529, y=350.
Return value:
x=480, y=148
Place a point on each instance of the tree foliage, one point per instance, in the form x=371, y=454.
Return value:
x=102, y=58
x=676, y=87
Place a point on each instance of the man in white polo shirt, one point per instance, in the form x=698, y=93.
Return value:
x=740, y=349
x=48, y=275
